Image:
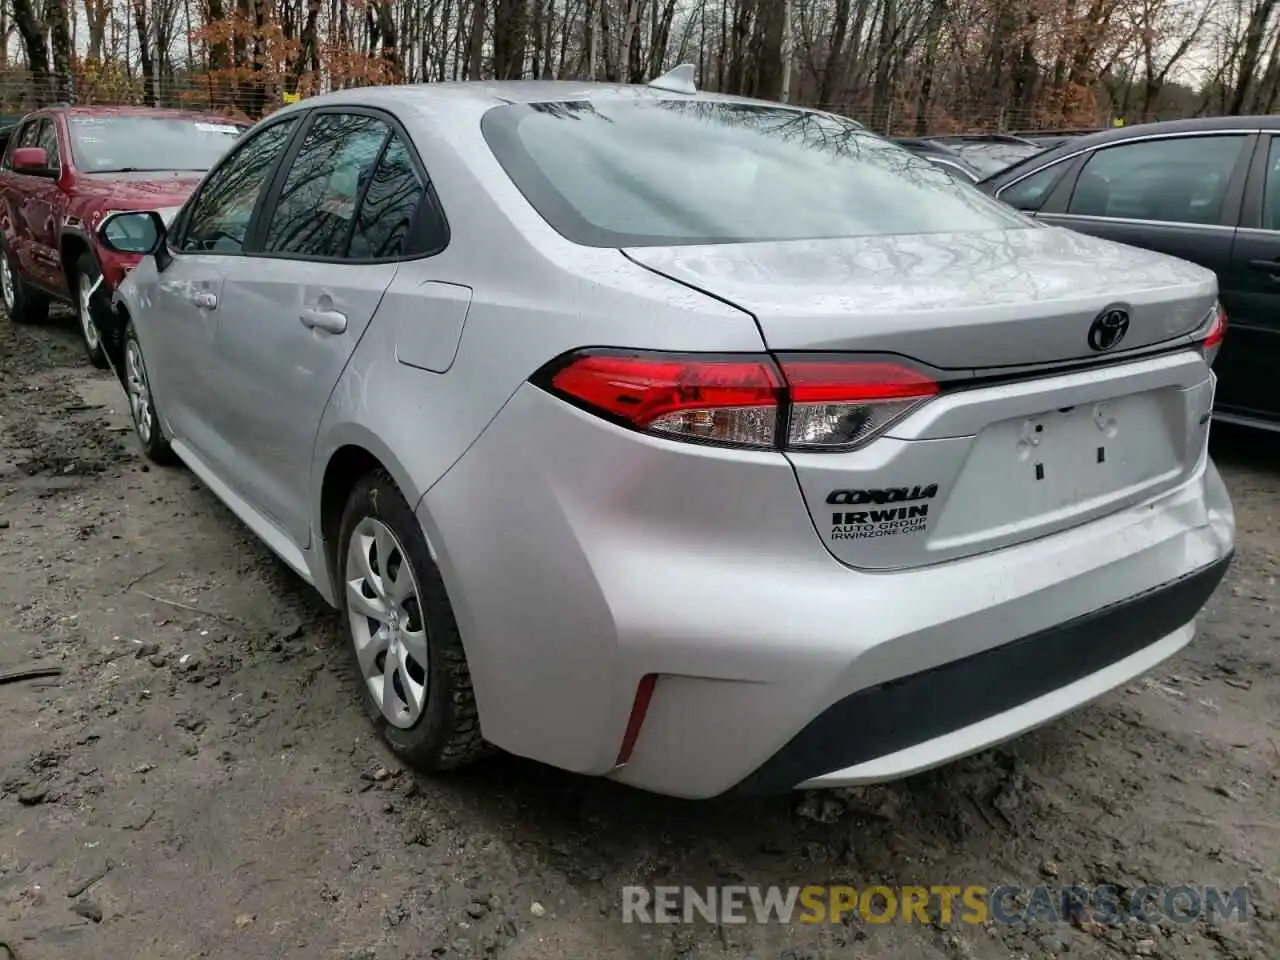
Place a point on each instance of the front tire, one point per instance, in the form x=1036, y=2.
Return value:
x=89, y=304
x=23, y=303
x=404, y=643
x=142, y=407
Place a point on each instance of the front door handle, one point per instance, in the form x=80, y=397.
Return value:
x=330, y=321
x=205, y=300
x=1267, y=266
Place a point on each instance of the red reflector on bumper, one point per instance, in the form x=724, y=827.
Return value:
x=644, y=693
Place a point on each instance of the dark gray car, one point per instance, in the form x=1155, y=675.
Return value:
x=1206, y=190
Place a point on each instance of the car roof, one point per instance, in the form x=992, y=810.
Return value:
x=93, y=110
x=1194, y=125
x=1076, y=145
x=926, y=145
x=491, y=93
x=1006, y=138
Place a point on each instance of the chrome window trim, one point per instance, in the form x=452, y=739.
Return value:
x=1232, y=131
x=1146, y=223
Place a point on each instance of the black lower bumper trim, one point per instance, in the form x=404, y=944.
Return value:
x=914, y=709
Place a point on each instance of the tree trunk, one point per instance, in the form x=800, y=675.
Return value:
x=60, y=40
x=475, y=41
x=832, y=69
x=389, y=51
x=509, y=39
x=31, y=30
x=96, y=13
x=882, y=92
x=145, y=56
x=932, y=37
x=308, y=56
x=1255, y=33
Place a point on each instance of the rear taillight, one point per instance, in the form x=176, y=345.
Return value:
x=837, y=404
x=718, y=400
x=761, y=402
x=1212, y=341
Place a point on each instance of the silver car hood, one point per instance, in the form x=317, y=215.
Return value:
x=956, y=300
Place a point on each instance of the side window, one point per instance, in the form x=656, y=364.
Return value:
x=218, y=218
x=30, y=132
x=1271, y=191
x=23, y=136
x=1180, y=180
x=1029, y=194
x=47, y=137
x=390, y=206
x=316, y=210
x=14, y=141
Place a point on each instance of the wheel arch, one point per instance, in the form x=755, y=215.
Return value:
x=353, y=452
x=71, y=246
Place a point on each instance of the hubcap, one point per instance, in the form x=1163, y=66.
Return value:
x=139, y=392
x=6, y=281
x=86, y=314
x=387, y=625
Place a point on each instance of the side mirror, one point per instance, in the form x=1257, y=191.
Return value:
x=138, y=232
x=32, y=160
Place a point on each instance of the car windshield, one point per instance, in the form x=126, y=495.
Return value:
x=666, y=172
x=124, y=144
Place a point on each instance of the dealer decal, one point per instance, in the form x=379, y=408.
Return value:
x=877, y=520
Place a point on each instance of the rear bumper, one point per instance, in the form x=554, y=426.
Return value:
x=581, y=557
x=917, y=721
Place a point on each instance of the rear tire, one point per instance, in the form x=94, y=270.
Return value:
x=89, y=307
x=23, y=303
x=142, y=405
x=405, y=634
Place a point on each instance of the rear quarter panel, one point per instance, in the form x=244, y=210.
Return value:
x=535, y=296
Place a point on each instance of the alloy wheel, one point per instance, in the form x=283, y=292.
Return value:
x=91, y=337
x=387, y=626
x=6, y=282
x=139, y=391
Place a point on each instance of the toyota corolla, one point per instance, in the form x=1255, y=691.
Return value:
x=702, y=443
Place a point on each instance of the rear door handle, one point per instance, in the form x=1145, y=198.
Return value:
x=1267, y=266
x=330, y=321
x=205, y=300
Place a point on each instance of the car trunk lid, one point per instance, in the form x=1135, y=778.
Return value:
x=955, y=301
x=1032, y=432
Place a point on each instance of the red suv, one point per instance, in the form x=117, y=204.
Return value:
x=63, y=169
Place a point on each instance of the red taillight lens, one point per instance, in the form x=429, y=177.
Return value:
x=803, y=403
x=1212, y=342
x=715, y=400
x=839, y=404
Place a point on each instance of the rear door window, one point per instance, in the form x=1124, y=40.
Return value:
x=1271, y=192
x=315, y=213
x=1175, y=180
x=390, y=209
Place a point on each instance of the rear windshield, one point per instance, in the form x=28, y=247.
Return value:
x=671, y=172
x=125, y=144
x=991, y=158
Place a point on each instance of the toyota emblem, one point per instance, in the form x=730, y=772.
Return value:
x=1108, y=329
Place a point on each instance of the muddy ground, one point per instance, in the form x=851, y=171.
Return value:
x=199, y=781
